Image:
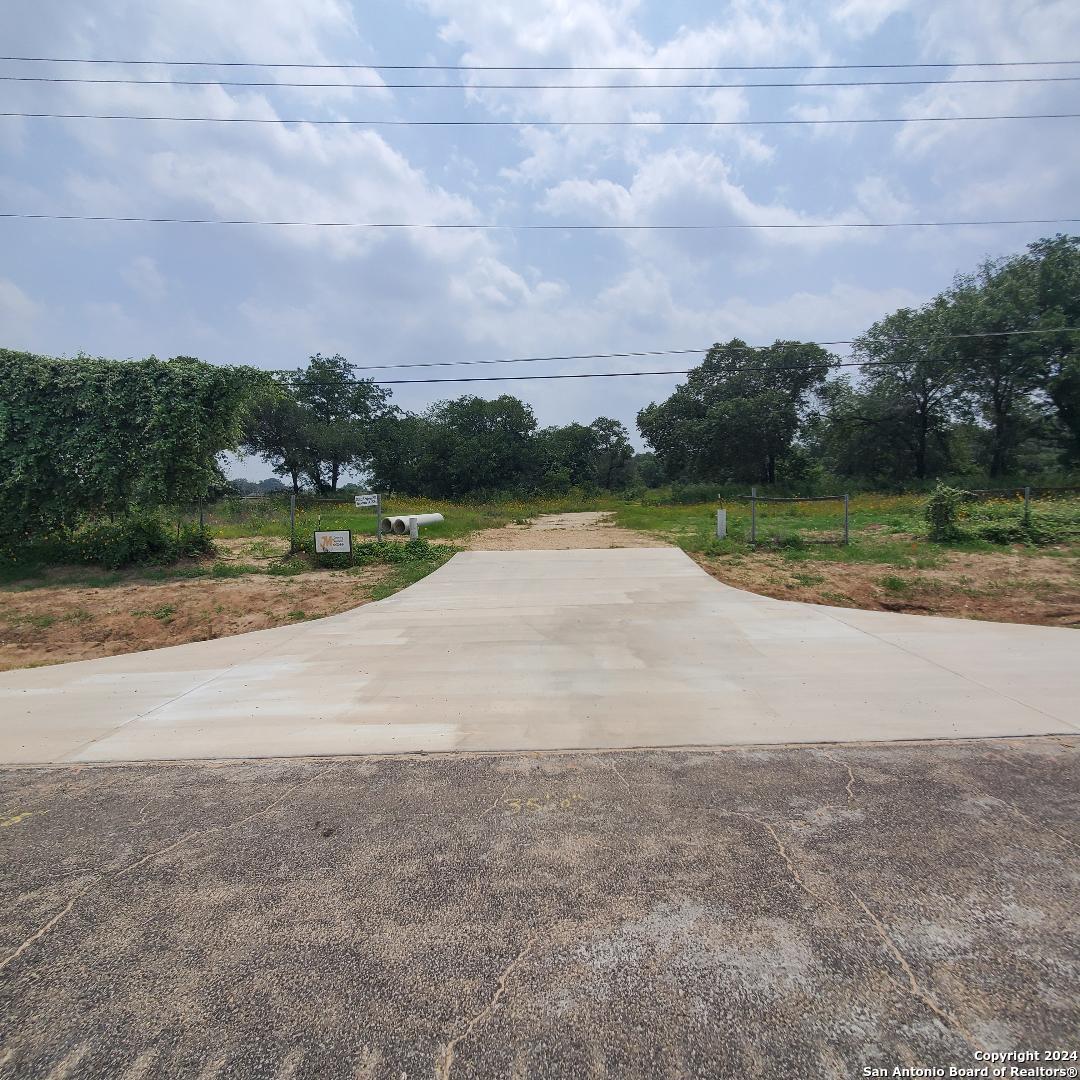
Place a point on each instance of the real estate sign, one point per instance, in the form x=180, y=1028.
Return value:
x=335, y=542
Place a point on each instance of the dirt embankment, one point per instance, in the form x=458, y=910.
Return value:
x=54, y=624
x=1000, y=587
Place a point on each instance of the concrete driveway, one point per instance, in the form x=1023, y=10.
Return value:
x=535, y=650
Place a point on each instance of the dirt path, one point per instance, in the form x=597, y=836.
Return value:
x=557, y=532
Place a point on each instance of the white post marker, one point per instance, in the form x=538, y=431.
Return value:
x=414, y=529
x=721, y=524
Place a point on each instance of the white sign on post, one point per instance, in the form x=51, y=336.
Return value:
x=367, y=500
x=337, y=542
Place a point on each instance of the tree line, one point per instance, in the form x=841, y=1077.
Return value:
x=950, y=388
x=984, y=379
x=324, y=422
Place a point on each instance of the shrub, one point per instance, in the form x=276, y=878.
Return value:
x=388, y=551
x=133, y=539
x=233, y=569
x=287, y=568
x=1035, y=529
x=692, y=494
x=942, y=512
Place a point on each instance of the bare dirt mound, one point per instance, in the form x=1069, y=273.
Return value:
x=53, y=625
x=1001, y=587
x=557, y=532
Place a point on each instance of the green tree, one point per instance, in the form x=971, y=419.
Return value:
x=1056, y=263
x=466, y=446
x=909, y=396
x=342, y=414
x=738, y=414
x=278, y=432
x=610, y=462
x=998, y=375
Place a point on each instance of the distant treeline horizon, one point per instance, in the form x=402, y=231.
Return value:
x=983, y=381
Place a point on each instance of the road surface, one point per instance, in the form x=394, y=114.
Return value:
x=753, y=912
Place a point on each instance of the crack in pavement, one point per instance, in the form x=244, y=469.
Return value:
x=948, y=1021
x=495, y=804
x=1032, y=822
x=444, y=1064
x=113, y=875
x=781, y=849
x=851, y=775
x=611, y=765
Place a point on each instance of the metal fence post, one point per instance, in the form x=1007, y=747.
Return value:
x=1027, y=505
x=753, y=515
x=845, y=519
x=202, y=526
x=292, y=523
x=378, y=517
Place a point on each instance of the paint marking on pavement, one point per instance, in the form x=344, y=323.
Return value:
x=16, y=818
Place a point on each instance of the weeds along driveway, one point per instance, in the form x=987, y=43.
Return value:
x=536, y=650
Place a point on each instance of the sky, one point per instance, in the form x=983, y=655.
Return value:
x=271, y=296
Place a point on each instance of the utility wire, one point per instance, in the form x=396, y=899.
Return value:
x=539, y=86
x=537, y=67
x=538, y=123
x=683, y=352
x=631, y=374
x=487, y=226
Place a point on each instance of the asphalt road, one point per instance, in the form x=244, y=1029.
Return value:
x=752, y=912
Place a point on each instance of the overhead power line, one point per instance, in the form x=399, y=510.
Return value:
x=628, y=374
x=489, y=226
x=537, y=67
x=683, y=352
x=537, y=86
x=539, y=123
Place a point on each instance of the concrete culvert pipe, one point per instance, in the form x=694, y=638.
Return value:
x=399, y=523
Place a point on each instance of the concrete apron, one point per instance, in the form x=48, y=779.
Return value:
x=538, y=650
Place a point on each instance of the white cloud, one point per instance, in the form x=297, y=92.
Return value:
x=19, y=316
x=144, y=277
x=274, y=295
x=860, y=18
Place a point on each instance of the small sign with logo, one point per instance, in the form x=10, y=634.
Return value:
x=336, y=542
x=367, y=500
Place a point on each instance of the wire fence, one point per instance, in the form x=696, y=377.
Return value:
x=288, y=515
x=754, y=499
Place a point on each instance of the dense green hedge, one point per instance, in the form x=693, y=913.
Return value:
x=87, y=438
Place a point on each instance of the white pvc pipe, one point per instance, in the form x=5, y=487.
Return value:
x=399, y=523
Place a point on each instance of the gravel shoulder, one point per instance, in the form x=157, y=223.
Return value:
x=800, y=912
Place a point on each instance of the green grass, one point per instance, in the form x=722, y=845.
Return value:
x=234, y=570
x=403, y=576
x=886, y=530
x=162, y=614
x=896, y=584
